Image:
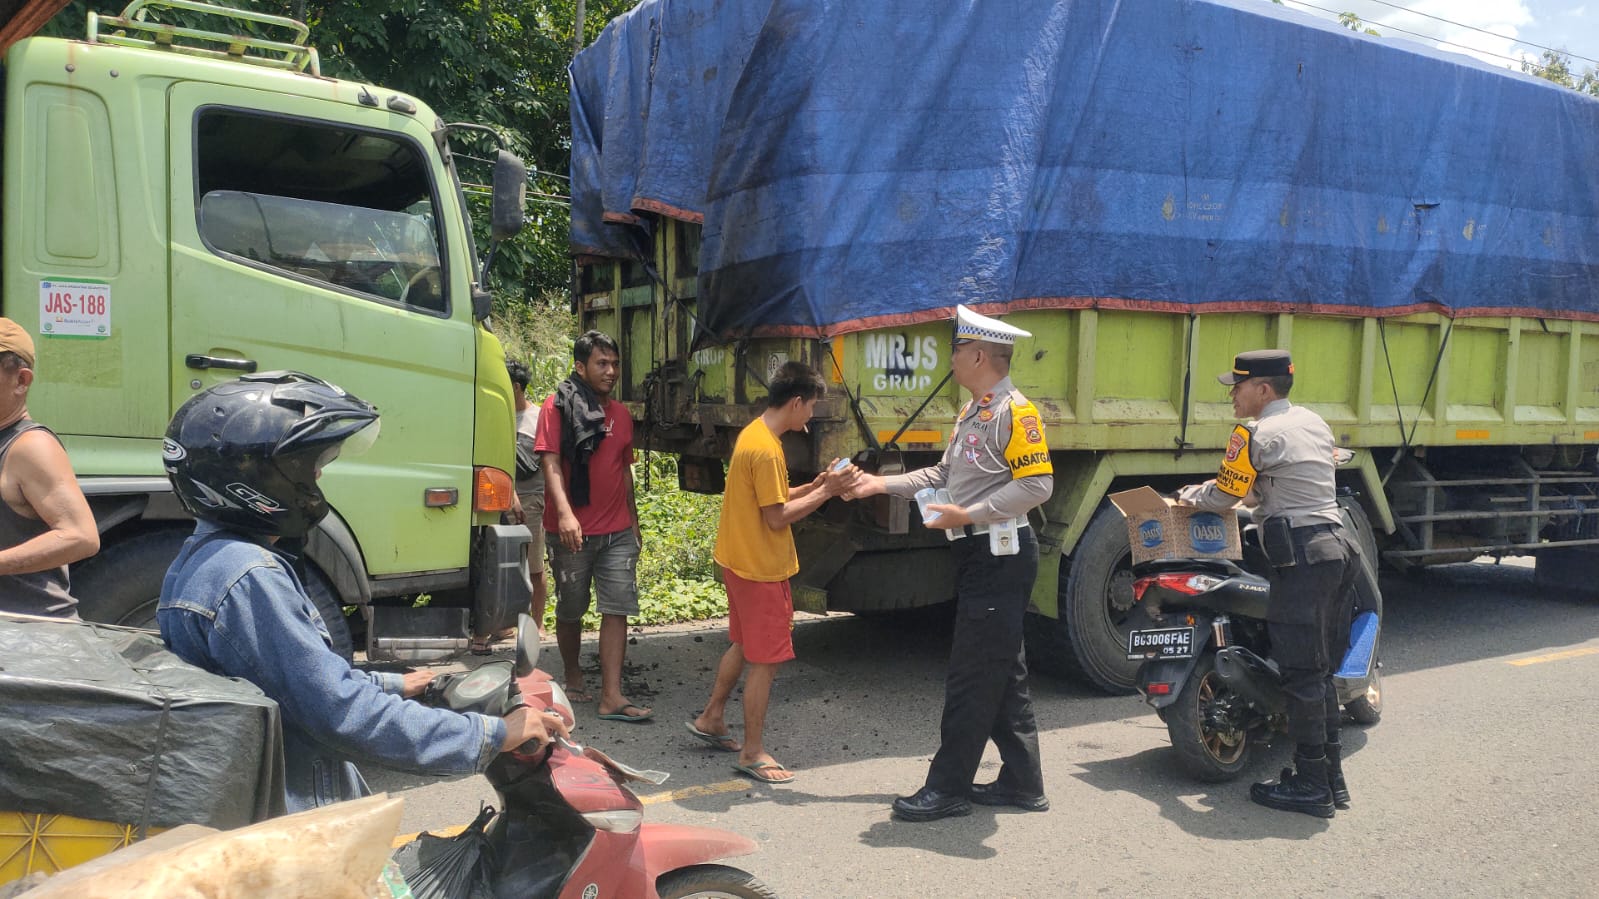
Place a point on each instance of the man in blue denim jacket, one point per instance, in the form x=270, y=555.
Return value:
x=244, y=457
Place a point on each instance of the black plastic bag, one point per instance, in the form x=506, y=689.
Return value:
x=457, y=867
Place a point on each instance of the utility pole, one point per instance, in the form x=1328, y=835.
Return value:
x=577, y=30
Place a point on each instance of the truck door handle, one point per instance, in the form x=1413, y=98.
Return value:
x=202, y=362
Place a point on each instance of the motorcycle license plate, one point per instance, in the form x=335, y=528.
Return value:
x=1161, y=643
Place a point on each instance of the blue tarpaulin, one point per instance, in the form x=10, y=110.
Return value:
x=858, y=164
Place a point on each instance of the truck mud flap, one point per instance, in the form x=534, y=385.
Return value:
x=501, y=587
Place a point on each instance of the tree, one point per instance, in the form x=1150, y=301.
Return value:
x=500, y=63
x=1555, y=65
x=1353, y=23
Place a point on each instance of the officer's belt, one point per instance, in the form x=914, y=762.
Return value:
x=973, y=530
x=1304, y=524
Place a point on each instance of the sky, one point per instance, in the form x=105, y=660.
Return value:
x=1517, y=26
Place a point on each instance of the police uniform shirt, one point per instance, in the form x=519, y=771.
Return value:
x=1286, y=458
x=996, y=465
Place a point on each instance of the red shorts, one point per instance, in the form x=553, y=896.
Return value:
x=760, y=618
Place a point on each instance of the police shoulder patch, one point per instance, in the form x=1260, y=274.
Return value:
x=1026, y=453
x=1237, y=472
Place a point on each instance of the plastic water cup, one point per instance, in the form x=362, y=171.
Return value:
x=928, y=496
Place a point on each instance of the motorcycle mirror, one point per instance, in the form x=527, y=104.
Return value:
x=527, y=645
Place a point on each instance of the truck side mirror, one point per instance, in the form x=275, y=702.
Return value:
x=510, y=195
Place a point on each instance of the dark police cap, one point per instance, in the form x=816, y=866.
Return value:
x=1258, y=364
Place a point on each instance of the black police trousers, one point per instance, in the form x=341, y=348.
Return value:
x=985, y=689
x=1308, y=620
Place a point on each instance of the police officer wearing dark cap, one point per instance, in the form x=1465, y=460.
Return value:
x=1281, y=463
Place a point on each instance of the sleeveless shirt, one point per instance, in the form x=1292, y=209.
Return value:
x=38, y=592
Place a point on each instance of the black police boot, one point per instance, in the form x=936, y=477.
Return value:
x=1335, y=774
x=1303, y=789
x=929, y=804
x=997, y=793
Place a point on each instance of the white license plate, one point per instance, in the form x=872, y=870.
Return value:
x=1161, y=643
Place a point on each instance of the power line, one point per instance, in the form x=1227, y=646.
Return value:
x=532, y=173
x=1503, y=37
x=1428, y=37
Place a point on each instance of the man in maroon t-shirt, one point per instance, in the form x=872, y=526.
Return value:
x=585, y=440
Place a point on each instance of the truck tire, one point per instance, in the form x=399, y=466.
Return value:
x=1567, y=569
x=1360, y=524
x=1088, y=641
x=122, y=585
x=1049, y=650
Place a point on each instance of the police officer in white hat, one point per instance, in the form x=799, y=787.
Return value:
x=996, y=469
x=1281, y=462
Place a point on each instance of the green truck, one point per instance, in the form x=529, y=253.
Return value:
x=1387, y=213
x=184, y=205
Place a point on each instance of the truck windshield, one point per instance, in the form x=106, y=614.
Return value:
x=347, y=208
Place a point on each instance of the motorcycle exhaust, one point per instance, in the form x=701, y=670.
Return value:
x=1252, y=678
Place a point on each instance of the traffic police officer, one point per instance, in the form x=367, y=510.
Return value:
x=1281, y=462
x=995, y=469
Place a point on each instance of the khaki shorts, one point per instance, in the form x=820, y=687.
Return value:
x=531, y=492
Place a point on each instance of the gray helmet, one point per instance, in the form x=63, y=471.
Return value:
x=246, y=453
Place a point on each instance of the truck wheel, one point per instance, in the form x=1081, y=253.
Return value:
x=122, y=585
x=711, y=882
x=1360, y=524
x=1049, y=650
x=1209, y=746
x=1089, y=639
x=1567, y=569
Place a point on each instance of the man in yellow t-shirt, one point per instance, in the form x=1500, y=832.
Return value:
x=755, y=548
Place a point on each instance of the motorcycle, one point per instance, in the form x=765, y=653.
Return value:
x=1199, y=626
x=568, y=827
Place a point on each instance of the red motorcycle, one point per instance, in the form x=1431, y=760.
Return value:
x=568, y=827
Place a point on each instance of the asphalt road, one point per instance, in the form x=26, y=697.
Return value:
x=1478, y=781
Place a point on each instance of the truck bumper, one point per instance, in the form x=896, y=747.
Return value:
x=500, y=585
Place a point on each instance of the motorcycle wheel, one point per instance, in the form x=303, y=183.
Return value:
x=1203, y=752
x=711, y=882
x=1366, y=710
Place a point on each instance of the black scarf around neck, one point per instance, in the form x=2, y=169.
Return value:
x=582, y=427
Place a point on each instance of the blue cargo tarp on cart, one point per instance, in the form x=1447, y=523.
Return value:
x=863, y=164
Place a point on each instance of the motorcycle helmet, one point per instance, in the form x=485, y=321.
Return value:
x=246, y=453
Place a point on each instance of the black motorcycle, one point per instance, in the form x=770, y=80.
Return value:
x=1199, y=626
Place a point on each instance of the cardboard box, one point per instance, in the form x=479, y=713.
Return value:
x=1158, y=529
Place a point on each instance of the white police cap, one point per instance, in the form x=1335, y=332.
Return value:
x=971, y=326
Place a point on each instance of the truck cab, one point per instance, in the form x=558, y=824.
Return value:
x=183, y=206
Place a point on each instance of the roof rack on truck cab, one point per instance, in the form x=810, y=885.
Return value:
x=132, y=30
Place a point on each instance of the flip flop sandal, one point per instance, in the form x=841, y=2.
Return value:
x=759, y=769
x=622, y=715
x=723, y=742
